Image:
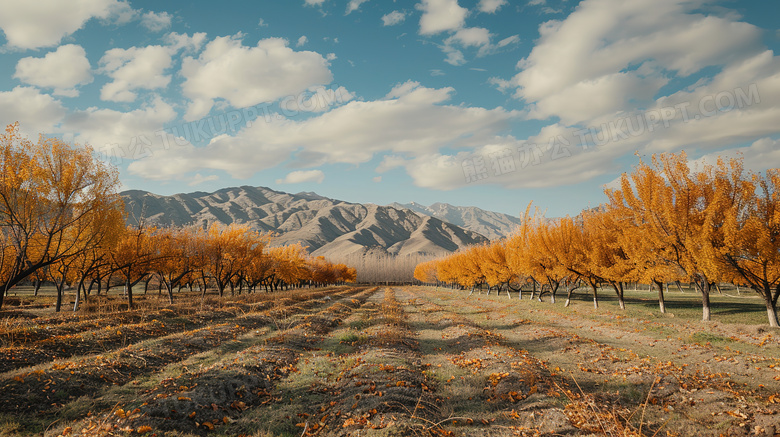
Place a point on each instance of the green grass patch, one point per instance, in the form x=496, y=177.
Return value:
x=708, y=337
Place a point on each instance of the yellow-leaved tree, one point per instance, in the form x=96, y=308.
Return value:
x=57, y=201
x=529, y=255
x=752, y=239
x=666, y=207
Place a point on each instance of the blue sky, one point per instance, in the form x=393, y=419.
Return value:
x=488, y=103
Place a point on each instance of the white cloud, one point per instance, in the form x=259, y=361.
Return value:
x=761, y=155
x=354, y=5
x=200, y=179
x=262, y=23
x=313, y=2
x=549, y=10
x=454, y=56
x=184, y=42
x=393, y=18
x=412, y=120
x=301, y=41
x=30, y=25
x=490, y=6
x=63, y=70
x=605, y=95
x=132, y=69
x=740, y=104
x=121, y=13
x=402, y=89
x=511, y=163
x=121, y=135
x=502, y=84
x=441, y=16
x=156, y=22
x=245, y=76
x=114, y=134
x=514, y=39
x=301, y=176
x=390, y=162
x=471, y=37
x=447, y=16
x=315, y=99
x=35, y=112
x=605, y=45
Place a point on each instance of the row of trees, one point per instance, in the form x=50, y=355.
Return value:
x=62, y=220
x=233, y=258
x=665, y=223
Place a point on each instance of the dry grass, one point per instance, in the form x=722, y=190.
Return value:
x=385, y=362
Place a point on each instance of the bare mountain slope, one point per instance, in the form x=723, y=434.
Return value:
x=329, y=227
x=492, y=225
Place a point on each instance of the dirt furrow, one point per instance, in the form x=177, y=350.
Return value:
x=208, y=394
x=685, y=389
x=43, y=391
x=489, y=386
x=33, y=344
x=367, y=377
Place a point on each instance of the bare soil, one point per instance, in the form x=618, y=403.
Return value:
x=391, y=361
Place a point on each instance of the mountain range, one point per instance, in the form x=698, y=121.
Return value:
x=493, y=225
x=329, y=227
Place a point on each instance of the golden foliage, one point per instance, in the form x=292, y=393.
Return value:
x=668, y=221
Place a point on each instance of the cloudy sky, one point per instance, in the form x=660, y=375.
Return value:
x=490, y=103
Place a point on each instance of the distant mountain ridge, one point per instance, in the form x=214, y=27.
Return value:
x=493, y=225
x=329, y=227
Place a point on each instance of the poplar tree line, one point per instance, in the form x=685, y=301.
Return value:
x=665, y=223
x=62, y=220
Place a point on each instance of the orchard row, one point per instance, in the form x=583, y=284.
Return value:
x=62, y=220
x=669, y=220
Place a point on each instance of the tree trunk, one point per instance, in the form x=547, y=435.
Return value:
x=595, y=295
x=661, y=302
x=108, y=283
x=704, y=289
x=60, y=286
x=169, y=288
x=37, y=287
x=78, y=295
x=771, y=312
x=618, y=286
x=129, y=291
